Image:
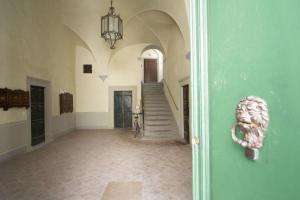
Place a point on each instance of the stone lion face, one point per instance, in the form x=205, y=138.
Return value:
x=253, y=118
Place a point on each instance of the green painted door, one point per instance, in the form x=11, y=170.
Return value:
x=37, y=106
x=253, y=49
x=123, y=109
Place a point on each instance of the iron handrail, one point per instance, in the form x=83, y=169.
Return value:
x=142, y=105
x=169, y=91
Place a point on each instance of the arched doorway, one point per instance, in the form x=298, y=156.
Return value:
x=153, y=61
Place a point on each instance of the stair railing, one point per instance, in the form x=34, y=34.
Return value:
x=169, y=91
x=142, y=106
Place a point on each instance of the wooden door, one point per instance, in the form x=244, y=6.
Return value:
x=150, y=70
x=123, y=109
x=186, y=113
x=37, y=115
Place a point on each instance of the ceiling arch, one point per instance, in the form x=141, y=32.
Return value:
x=147, y=22
x=151, y=46
x=79, y=41
x=161, y=17
x=156, y=23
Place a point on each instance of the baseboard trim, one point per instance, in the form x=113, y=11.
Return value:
x=12, y=153
x=23, y=149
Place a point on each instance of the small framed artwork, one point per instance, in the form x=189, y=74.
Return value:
x=87, y=69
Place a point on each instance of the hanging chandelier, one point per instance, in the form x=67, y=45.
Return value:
x=111, y=27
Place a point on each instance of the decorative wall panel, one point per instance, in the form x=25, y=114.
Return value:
x=66, y=103
x=13, y=98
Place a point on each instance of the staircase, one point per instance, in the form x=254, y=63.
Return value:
x=159, y=121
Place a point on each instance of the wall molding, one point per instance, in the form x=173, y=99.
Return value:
x=12, y=139
x=200, y=99
x=183, y=82
x=10, y=124
x=17, y=133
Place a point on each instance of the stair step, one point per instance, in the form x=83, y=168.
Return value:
x=147, y=107
x=155, y=100
x=156, y=104
x=161, y=116
x=155, y=117
x=156, y=109
x=154, y=95
x=159, y=121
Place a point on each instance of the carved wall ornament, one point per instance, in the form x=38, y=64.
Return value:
x=252, y=120
x=103, y=77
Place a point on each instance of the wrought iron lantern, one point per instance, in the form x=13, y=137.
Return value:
x=112, y=27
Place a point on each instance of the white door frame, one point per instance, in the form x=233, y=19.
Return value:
x=48, y=136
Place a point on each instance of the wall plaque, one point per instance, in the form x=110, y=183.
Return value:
x=66, y=103
x=13, y=98
x=88, y=69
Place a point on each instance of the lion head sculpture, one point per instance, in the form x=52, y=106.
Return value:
x=252, y=119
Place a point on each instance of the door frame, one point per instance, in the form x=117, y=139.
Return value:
x=122, y=92
x=111, y=105
x=183, y=82
x=200, y=100
x=48, y=137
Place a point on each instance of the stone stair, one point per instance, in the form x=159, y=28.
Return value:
x=159, y=120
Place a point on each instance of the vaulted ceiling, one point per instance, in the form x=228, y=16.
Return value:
x=145, y=22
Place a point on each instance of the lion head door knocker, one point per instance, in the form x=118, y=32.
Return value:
x=252, y=119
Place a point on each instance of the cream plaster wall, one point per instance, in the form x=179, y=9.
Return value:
x=177, y=67
x=90, y=89
x=33, y=43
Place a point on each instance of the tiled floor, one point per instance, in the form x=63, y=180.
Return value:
x=79, y=166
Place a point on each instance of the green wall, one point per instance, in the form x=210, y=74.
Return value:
x=254, y=49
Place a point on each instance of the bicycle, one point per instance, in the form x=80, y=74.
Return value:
x=136, y=124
